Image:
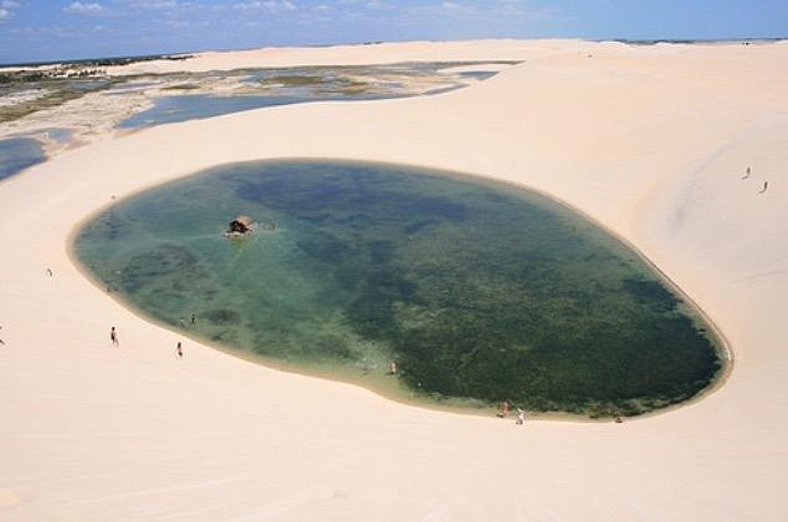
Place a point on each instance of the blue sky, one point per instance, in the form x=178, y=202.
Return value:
x=33, y=30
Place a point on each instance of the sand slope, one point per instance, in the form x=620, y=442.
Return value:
x=650, y=141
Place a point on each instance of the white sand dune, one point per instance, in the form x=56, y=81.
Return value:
x=373, y=54
x=650, y=141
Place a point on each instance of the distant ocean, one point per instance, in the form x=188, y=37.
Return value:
x=690, y=41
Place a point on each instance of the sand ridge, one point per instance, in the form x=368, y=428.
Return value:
x=650, y=141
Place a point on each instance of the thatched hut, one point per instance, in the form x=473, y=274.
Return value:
x=241, y=225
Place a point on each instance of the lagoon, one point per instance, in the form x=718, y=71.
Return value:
x=17, y=154
x=172, y=109
x=479, y=292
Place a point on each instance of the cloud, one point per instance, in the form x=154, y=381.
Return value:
x=80, y=8
x=152, y=4
x=245, y=6
x=378, y=4
x=7, y=9
x=286, y=5
x=273, y=6
x=454, y=7
x=492, y=11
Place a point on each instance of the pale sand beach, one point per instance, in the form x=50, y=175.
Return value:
x=650, y=141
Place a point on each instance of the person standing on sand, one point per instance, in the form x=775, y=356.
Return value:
x=765, y=186
x=179, y=350
x=520, y=417
x=504, y=409
x=113, y=336
x=747, y=174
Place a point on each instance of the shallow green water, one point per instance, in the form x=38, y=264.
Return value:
x=477, y=291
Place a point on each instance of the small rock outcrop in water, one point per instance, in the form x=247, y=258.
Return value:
x=241, y=226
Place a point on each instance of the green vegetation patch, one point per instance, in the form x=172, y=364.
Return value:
x=294, y=80
x=57, y=92
x=181, y=87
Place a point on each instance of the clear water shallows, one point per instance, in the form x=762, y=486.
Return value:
x=17, y=154
x=479, y=292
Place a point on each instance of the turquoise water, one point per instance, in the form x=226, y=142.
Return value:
x=296, y=85
x=17, y=154
x=173, y=109
x=478, y=75
x=62, y=136
x=479, y=292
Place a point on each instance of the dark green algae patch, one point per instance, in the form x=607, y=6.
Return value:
x=480, y=292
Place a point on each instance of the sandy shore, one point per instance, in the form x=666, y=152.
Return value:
x=650, y=141
x=98, y=115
